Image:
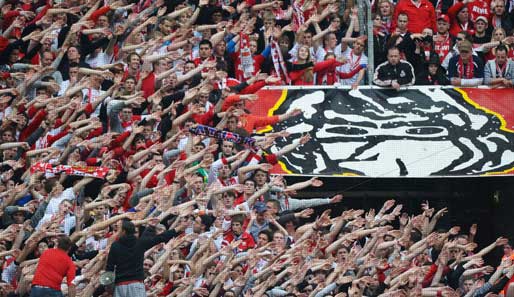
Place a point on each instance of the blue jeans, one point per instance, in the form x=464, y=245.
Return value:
x=44, y=292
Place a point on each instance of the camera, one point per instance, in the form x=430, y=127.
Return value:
x=428, y=39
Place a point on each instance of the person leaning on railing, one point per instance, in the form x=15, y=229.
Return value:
x=466, y=69
x=395, y=72
x=500, y=71
x=433, y=73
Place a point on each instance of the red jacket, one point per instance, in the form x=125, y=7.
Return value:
x=476, y=8
x=419, y=17
x=455, y=27
x=247, y=241
x=297, y=76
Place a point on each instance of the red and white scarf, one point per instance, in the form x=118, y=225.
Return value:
x=88, y=171
x=245, y=56
x=426, y=51
x=279, y=13
x=298, y=17
x=354, y=61
x=500, y=71
x=470, y=68
x=278, y=61
x=442, y=45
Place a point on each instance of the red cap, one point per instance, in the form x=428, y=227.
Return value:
x=444, y=18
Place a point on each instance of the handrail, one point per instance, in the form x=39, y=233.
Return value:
x=371, y=52
x=403, y=88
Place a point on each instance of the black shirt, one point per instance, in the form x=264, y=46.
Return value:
x=127, y=254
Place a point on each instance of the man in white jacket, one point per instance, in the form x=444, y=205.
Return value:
x=500, y=71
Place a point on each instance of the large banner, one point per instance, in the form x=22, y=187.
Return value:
x=419, y=132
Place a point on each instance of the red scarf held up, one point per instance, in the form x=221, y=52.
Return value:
x=246, y=58
x=87, y=171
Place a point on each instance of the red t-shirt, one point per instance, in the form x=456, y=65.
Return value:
x=148, y=85
x=53, y=266
x=420, y=17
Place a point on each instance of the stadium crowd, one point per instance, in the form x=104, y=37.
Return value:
x=99, y=102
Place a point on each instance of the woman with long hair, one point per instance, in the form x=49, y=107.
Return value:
x=385, y=10
x=302, y=71
x=461, y=21
x=498, y=37
x=380, y=39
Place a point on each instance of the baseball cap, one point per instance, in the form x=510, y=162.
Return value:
x=444, y=17
x=260, y=207
x=465, y=45
x=482, y=18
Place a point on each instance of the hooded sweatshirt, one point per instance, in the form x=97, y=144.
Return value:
x=127, y=254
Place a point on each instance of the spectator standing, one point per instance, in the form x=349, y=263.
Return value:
x=461, y=21
x=126, y=257
x=421, y=14
x=466, y=69
x=424, y=48
x=385, y=11
x=356, y=60
x=53, y=266
x=443, y=41
x=500, y=18
x=482, y=33
x=402, y=38
x=395, y=72
x=380, y=39
x=498, y=37
x=475, y=8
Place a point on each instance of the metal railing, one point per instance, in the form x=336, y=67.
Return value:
x=364, y=15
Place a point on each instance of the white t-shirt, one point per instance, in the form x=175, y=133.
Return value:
x=65, y=225
x=64, y=86
x=317, y=54
x=353, y=61
x=95, y=245
x=100, y=60
x=338, y=51
x=90, y=95
x=53, y=204
x=6, y=112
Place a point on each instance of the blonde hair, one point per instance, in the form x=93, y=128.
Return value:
x=391, y=7
x=308, y=74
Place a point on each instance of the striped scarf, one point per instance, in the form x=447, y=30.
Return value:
x=278, y=61
x=245, y=56
x=89, y=171
x=298, y=18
